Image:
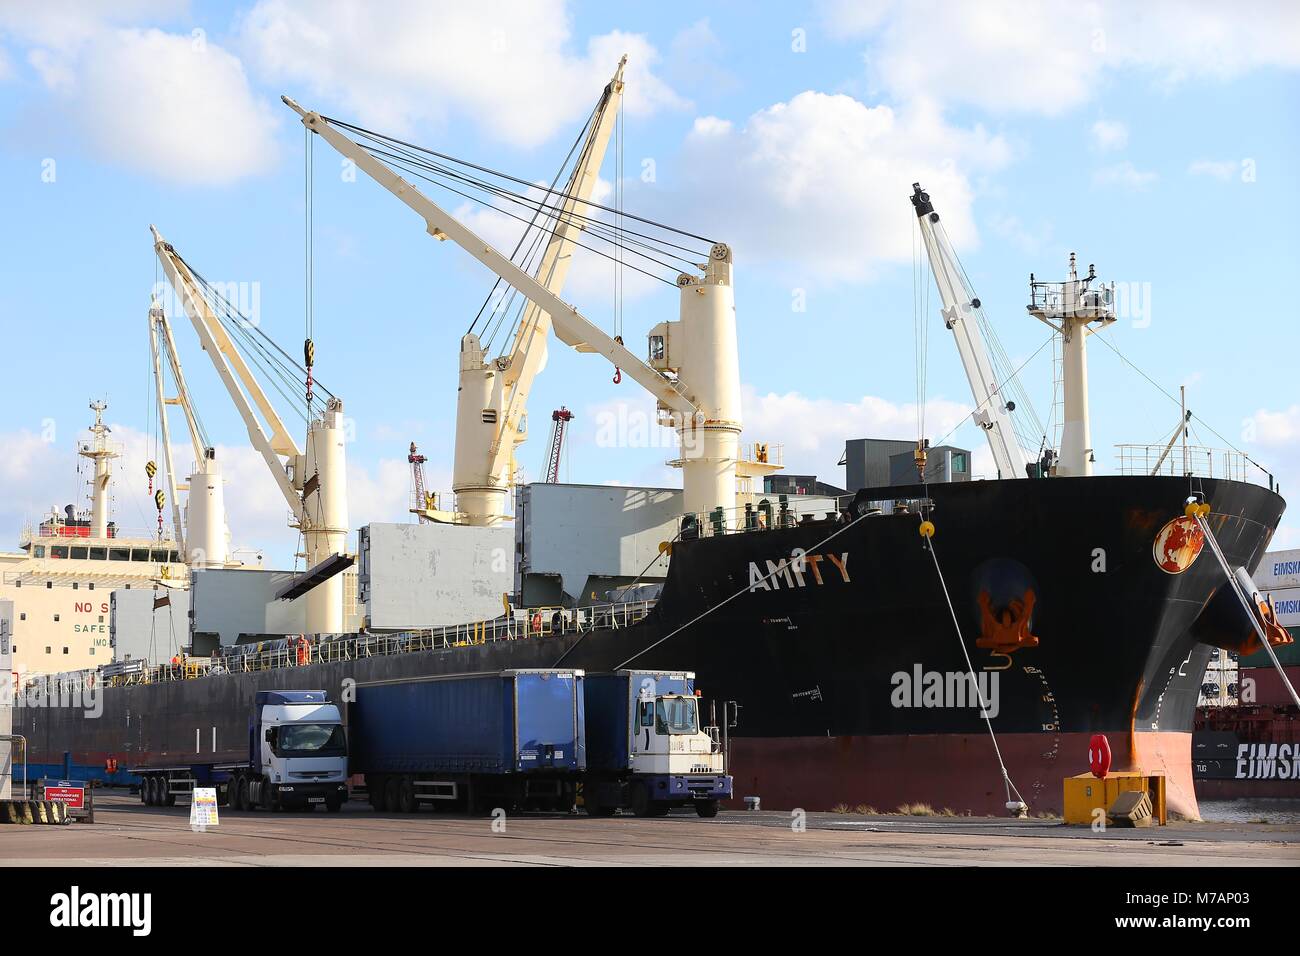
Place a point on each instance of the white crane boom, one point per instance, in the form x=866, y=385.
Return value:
x=696, y=373
x=158, y=323
x=232, y=368
x=570, y=324
x=317, y=492
x=492, y=396
x=992, y=411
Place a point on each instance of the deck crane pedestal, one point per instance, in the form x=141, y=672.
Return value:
x=313, y=482
x=694, y=372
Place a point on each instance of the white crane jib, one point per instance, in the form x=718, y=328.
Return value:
x=493, y=396
x=160, y=340
x=695, y=379
x=314, y=484
x=992, y=409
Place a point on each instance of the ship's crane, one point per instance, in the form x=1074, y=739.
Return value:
x=961, y=311
x=693, y=372
x=420, y=499
x=560, y=419
x=313, y=482
x=203, y=537
x=493, y=395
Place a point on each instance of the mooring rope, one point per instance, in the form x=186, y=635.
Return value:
x=970, y=669
x=1236, y=588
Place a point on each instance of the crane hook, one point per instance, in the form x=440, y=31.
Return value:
x=618, y=375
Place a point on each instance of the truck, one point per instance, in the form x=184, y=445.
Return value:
x=474, y=742
x=646, y=750
x=297, y=758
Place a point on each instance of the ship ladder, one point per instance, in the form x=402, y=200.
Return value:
x=1018, y=805
x=1198, y=510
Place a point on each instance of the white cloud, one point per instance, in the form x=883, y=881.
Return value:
x=171, y=105
x=1225, y=170
x=821, y=182
x=1051, y=56
x=1272, y=438
x=504, y=65
x=1124, y=175
x=1109, y=134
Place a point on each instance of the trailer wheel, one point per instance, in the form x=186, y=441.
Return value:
x=155, y=791
x=144, y=791
x=708, y=809
x=165, y=796
x=406, y=802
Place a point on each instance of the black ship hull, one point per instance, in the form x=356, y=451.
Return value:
x=839, y=645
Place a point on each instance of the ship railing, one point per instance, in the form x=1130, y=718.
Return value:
x=541, y=623
x=1197, y=461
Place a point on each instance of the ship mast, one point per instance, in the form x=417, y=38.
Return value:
x=960, y=314
x=1074, y=311
x=102, y=454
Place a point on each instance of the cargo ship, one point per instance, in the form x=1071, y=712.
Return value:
x=953, y=643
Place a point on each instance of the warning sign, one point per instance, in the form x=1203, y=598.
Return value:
x=203, y=808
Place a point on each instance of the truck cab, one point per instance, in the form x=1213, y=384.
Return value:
x=298, y=753
x=646, y=748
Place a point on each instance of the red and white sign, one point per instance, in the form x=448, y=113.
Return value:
x=74, y=797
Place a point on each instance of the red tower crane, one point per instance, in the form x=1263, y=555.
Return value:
x=421, y=501
x=560, y=419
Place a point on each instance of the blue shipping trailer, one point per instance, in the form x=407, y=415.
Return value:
x=510, y=739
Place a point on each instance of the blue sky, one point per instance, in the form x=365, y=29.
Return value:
x=1159, y=144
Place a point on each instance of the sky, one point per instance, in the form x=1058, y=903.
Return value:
x=1157, y=141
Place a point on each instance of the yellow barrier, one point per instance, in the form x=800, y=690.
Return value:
x=1084, y=793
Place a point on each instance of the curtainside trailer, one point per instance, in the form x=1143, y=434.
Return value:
x=511, y=739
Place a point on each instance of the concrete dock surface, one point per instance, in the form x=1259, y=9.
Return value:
x=128, y=834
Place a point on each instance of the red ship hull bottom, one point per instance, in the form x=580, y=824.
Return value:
x=957, y=772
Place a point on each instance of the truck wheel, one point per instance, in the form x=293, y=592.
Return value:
x=392, y=790
x=241, y=794
x=406, y=802
x=269, y=801
x=708, y=809
x=144, y=791
x=155, y=791
x=641, y=805
x=165, y=796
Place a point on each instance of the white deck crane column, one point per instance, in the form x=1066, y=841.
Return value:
x=709, y=419
x=992, y=410
x=1069, y=308
x=701, y=348
x=493, y=396
x=314, y=485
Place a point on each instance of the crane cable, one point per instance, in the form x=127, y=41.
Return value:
x=309, y=264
